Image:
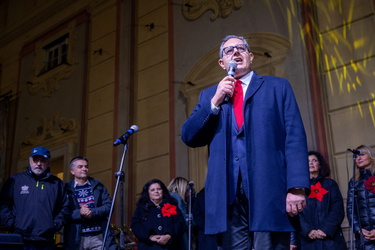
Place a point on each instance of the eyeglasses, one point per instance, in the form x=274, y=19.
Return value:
x=240, y=48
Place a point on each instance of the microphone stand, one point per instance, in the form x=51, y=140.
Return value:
x=120, y=175
x=354, y=202
x=190, y=216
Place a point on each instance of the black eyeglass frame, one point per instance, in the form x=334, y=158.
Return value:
x=240, y=48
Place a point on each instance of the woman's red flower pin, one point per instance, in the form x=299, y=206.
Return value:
x=168, y=209
x=317, y=191
x=370, y=184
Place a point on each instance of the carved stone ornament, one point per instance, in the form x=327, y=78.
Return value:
x=193, y=9
x=55, y=128
x=49, y=82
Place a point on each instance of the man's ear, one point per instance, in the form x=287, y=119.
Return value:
x=221, y=63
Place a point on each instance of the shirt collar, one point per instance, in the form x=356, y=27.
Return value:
x=247, y=78
x=78, y=184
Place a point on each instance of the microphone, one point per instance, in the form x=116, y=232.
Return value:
x=122, y=139
x=355, y=151
x=232, y=68
x=231, y=71
x=191, y=183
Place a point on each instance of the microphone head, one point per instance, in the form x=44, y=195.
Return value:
x=232, y=64
x=134, y=127
x=191, y=183
x=356, y=151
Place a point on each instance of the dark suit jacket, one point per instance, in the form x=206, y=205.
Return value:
x=276, y=152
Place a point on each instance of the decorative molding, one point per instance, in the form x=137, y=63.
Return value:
x=53, y=127
x=193, y=9
x=30, y=22
x=49, y=82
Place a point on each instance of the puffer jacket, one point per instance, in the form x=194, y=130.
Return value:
x=364, y=208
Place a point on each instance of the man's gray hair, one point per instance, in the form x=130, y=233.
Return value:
x=230, y=37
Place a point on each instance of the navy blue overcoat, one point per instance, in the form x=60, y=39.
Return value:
x=276, y=152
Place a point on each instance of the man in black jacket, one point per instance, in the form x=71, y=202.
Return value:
x=33, y=203
x=89, y=207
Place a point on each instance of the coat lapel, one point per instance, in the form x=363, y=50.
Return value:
x=255, y=83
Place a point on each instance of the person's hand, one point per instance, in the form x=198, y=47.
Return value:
x=369, y=235
x=320, y=234
x=154, y=238
x=85, y=212
x=160, y=239
x=163, y=239
x=312, y=234
x=224, y=88
x=293, y=247
x=295, y=201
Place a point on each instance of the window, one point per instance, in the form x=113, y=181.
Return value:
x=56, y=53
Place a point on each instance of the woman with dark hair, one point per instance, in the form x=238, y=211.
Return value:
x=157, y=222
x=321, y=219
x=363, y=183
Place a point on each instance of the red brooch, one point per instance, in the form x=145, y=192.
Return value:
x=317, y=191
x=167, y=210
x=370, y=184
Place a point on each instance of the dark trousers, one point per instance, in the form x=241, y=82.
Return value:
x=272, y=240
x=238, y=235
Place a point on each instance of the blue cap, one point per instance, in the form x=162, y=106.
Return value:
x=42, y=151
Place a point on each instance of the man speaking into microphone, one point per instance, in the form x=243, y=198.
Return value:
x=257, y=167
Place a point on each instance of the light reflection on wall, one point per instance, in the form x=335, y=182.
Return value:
x=342, y=31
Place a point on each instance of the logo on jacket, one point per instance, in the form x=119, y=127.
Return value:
x=25, y=189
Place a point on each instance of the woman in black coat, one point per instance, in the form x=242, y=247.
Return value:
x=157, y=222
x=321, y=219
x=363, y=184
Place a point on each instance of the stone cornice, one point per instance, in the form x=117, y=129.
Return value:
x=11, y=33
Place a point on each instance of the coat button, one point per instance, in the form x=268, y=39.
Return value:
x=159, y=215
x=160, y=228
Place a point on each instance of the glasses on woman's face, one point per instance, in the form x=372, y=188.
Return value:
x=230, y=49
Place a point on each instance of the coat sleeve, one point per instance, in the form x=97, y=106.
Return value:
x=336, y=213
x=6, y=205
x=295, y=142
x=306, y=227
x=141, y=229
x=177, y=226
x=103, y=203
x=198, y=129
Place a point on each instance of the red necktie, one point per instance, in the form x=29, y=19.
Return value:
x=238, y=103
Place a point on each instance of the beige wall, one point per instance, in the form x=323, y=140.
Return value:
x=152, y=101
x=133, y=71
x=346, y=58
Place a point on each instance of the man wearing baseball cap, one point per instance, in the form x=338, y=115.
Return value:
x=38, y=200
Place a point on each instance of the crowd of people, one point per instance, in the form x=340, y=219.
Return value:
x=263, y=189
x=161, y=218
